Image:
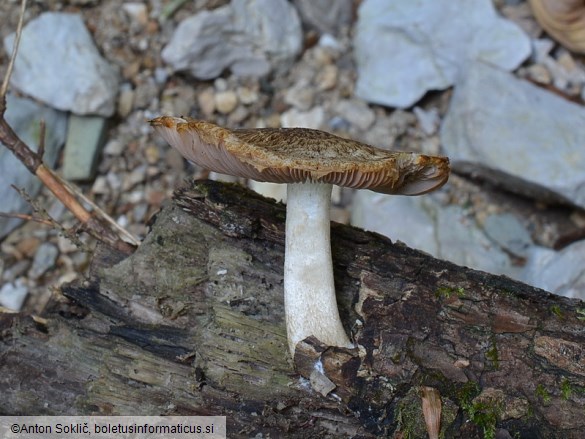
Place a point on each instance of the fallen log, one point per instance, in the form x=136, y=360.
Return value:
x=192, y=323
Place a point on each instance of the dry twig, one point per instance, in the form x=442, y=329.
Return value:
x=97, y=223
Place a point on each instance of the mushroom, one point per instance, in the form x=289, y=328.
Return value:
x=564, y=20
x=309, y=162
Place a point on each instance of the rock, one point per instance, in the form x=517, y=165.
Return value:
x=327, y=78
x=206, y=101
x=24, y=117
x=13, y=295
x=425, y=223
x=247, y=95
x=85, y=140
x=539, y=73
x=65, y=245
x=161, y=75
x=136, y=176
x=27, y=246
x=146, y=94
x=226, y=101
x=400, y=121
x=114, y=147
x=237, y=116
x=100, y=186
x=152, y=154
x=12, y=273
x=509, y=233
x=44, y=259
x=462, y=241
x=427, y=119
x=273, y=25
x=542, y=49
x=125, y=101
x=561, y=272
x=326, y=16
x=249, y=37
x=410, y=222
x=356, y=112
x=404, y=49
x=137, y=12
x=220, y=84
x=338, y=123
x=516, y=135
x=305, y=119
x=301, y=96
x=331, y=43
x=179, y=99
x=65, y=70
x=565, y=71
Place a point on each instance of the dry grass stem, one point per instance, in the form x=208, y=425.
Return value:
x=98, y=224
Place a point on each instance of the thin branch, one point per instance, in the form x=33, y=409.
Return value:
x=42, y=216
x=4, y=88
x=26, y=217
x=100, y=227
x=74, y=190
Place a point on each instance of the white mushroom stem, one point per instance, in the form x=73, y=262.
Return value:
x=309, y=291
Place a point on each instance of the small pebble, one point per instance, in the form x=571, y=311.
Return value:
x=300, y=96
x=427, y=119
x=247, y=95
x=44, y=259
x=161, y=75
x=137, y=12
x=65, y=245
x=152, y=154
x=13, y=295
x=114, y=181
x=114, y=147
x=125, y=101
x=226, y=101
x=330, y=42
x=238, y=115
x=327, y=78
x=206, y=101
x=136, y=176
x=139, y=212
x=539, y=73
x=220, y=84
x=313, y=118
x=28, y=246
x=16, y=270
x=100, y=185
x=356, y=112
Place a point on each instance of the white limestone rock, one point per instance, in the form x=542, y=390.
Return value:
x=249, y=37
x=59, y=64
x=405, y=48
x=425, y=223
x=516, y=135
x=560, y=272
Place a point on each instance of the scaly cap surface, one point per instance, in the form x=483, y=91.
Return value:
x=296, y=155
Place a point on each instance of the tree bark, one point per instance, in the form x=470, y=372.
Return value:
x=192, y=324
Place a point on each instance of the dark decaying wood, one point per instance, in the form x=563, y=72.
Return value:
x=192, y=324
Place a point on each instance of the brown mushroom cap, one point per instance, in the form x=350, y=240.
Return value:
x=298, y=155
x=564, y=20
